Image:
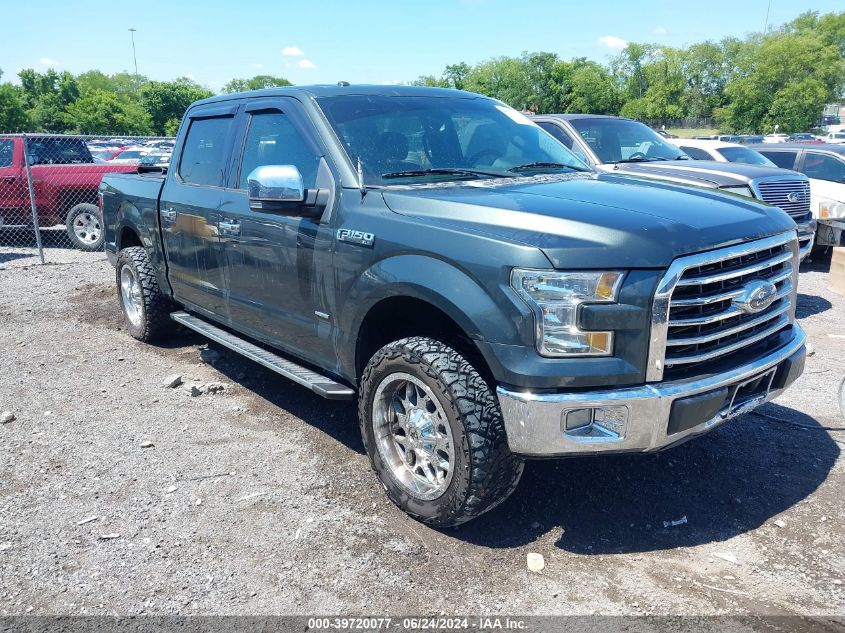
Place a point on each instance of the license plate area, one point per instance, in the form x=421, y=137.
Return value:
x=751, y=393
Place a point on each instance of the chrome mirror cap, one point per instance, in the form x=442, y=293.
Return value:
x=275, y=183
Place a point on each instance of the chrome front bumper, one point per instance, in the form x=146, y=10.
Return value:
x=638, y=419
x=806, y=238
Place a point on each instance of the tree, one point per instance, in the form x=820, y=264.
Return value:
x=46, y=96
x=12, y=114
x=101, y=112
x=256, y=83
x=593, y=90
x=768, y=80
x=168, y=100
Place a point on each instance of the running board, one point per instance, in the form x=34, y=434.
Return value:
x=319, y=384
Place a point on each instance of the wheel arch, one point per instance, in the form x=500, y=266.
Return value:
x=416, y=295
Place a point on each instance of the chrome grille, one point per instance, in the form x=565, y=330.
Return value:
x=776, y=193
x=698, y=316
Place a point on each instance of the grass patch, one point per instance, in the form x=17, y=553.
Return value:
x=693, y=131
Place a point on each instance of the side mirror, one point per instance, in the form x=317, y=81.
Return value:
x=271, y=186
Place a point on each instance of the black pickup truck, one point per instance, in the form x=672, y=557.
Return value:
x=483, y=294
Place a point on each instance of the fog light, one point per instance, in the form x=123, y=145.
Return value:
x=595, y=424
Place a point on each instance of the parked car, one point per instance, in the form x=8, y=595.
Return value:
x=483, y=294
x=721, y=152
x=666, y=134
x=155, y=159
x=803, y=137
x=824, y=165
x=106, y=154
x=776, y=138
x=746, y=139
x=835, y=138
x=130, y=156
x=623, y=146
x=64, y=183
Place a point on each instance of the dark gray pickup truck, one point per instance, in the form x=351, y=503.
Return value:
x=483, y=294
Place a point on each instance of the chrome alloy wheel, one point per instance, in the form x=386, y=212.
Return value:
x=130, y=295
x=86, y=227
x=413, y=436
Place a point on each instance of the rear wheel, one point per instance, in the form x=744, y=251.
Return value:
x=84, y=227
x=434, y=433
x=146, y=310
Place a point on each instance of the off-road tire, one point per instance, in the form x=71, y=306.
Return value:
x=485, y=472
x=155, y=320
x=70, y=218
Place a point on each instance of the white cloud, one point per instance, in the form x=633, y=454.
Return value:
x=306, y=63
x=660, y=30
x=292, y=51
x=258, y=65
x=611, y=41
x=392, y=82
x=47, y=61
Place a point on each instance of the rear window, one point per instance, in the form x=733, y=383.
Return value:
x=58, y=151
x=6, y=147
x=204, y=156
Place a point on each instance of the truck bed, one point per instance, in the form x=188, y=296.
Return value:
x=130, y=199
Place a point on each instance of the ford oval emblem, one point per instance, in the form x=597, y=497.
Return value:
x=756, y=296
x=793, y=197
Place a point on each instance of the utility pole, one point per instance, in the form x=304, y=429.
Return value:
x=134, y=57
x=766, y=24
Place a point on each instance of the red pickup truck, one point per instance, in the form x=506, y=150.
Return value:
x=65, y=180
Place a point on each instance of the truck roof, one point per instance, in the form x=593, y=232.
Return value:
x=336, y=90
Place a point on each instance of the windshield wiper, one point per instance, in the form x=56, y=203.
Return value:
x=545, y=165
x=447, y=171
x=641, y=159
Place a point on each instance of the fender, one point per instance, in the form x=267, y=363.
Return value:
x=440, y=284
x=143, y=222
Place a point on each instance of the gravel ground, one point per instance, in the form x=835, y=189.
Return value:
x=122, y=496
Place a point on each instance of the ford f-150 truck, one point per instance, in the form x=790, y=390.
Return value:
x=441, y=258
x=624, y=146
x=64, y=183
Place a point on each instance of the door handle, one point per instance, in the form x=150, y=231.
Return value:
x=168, y=214
x=229, y=228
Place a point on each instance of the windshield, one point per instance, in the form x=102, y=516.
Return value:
x=421, y=139
x=622, y=140
x=744, y=155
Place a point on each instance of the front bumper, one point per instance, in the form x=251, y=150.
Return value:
x=806, y=237
x=646, y=418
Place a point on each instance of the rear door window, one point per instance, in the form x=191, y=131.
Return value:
x=784, y=160
x=204, y=154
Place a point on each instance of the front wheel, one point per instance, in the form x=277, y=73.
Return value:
x=434, y=433
x=84, y=227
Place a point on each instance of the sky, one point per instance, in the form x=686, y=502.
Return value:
x=360, y=41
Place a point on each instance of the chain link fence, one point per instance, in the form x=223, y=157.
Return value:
x=48, y=191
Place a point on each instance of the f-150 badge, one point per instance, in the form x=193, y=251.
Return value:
x=356, y=237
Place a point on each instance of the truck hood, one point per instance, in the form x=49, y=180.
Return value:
x=706, y=173
x=592, y=220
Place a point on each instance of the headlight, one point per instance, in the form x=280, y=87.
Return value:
x=830, y=210
x=555, y=297
x=741, y=191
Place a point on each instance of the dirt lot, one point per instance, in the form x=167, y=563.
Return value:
x=259, y=499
